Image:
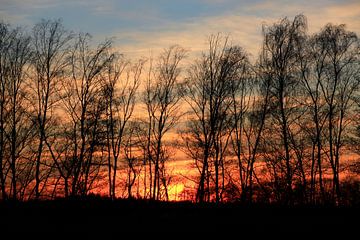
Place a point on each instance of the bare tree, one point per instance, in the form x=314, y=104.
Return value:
x=84, y=103
x=18, y=128
x=282, y=43
x=251, y=95
x=313, y=65
x=210, y=92
x=122, y=80
x=338, y=83
x=133, y=161
x=51, y=48
x=59, y=143
x=162, y=100
x=5, y=43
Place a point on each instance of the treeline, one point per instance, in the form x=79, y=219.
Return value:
x=283, y=129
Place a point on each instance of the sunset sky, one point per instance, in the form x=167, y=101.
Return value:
x=141, y=26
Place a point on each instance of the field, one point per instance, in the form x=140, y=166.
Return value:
x=103, y=217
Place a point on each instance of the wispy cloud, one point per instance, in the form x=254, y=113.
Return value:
x=142, y=26
x=318, y=13
x=348, y=14
x=244, y=31
x=243, y=24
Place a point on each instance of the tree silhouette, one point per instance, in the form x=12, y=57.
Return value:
x=281, y=48
x=77, y=118
x=84, y=104
x=209, y=91
x=51, y=47
x=17, y=129
x=120, y=101
x=162, y=100
x=338, y=84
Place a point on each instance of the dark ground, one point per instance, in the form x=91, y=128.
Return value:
x=123, y=217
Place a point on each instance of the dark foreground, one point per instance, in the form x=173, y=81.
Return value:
x=119, y=218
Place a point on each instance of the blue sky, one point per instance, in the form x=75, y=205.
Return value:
x=140, y=26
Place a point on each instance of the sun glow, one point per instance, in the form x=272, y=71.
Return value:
x=175, y=191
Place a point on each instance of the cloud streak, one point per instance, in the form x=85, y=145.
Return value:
x=243, y=24
x=143, y=26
